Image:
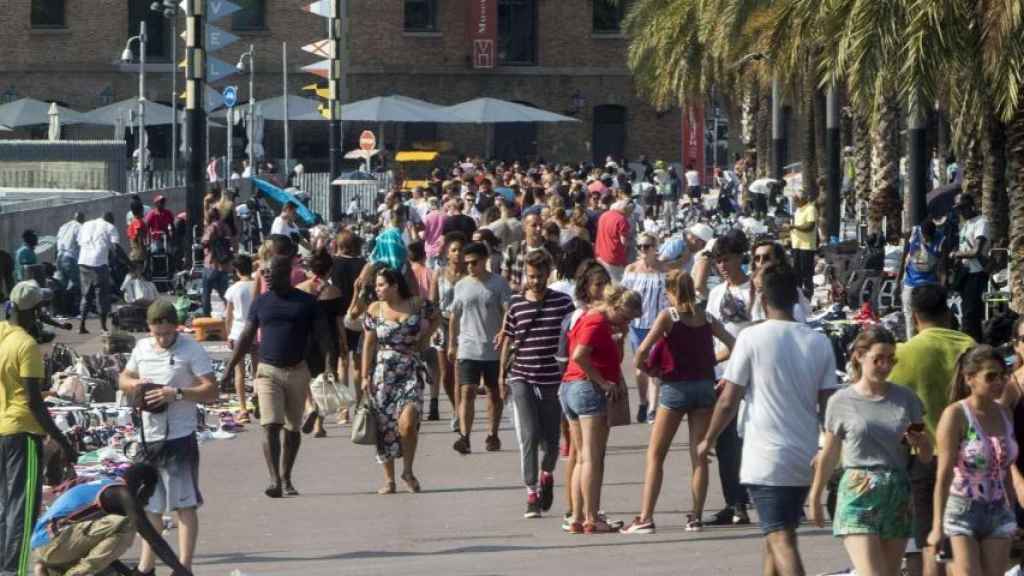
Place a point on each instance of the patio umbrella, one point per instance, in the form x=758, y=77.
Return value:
x=299, y=108
x=156, y=114
x=32, y=112
x=495, y=111
x=394, y=109
x=5, y=129
x=356, y=177
x=53, y=133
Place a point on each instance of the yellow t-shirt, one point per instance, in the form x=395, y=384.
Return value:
x=805, y=240
x=19, y=358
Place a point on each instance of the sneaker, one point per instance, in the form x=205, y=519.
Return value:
x=532, y=506
x=740, y=517
x=616, y=524
x=454, y=424
x=493, y=443
x=547, y=491
x=567, y=522
x=462, y=445
x=639, y=527
x=723, y=517
x=641, y=413
x=693, y=523
x=600, y=527
x=434, y=413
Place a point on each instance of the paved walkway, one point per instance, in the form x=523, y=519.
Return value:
x=468, y=519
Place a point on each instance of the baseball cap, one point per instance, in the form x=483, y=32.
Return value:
x=159, y=198
x=702, y=231
x=28, y=295
x=161, y=311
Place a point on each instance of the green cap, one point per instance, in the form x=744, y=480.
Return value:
x=160, y=312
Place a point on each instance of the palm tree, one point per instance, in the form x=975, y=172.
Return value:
x=862, y=159
x=1015, y=149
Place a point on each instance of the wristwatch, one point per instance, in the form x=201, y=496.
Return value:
x=179, y=395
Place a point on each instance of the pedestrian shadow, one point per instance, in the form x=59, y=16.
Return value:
x=456, y=490
x=610, y=541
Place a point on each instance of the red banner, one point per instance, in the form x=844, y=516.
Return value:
x=693, y=139
x=483, y=32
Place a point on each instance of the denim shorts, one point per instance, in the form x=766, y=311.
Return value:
x=978, y=518
x=778, y=507
x=582, y=399
x=636, y=336
x=687, y=395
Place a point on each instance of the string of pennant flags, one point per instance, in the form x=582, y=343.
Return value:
x=216, y=39
x=322, y=48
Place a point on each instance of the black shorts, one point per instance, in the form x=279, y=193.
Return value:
x=352, y=339
x=694, y=192
x=470, y=372
x=922, y=495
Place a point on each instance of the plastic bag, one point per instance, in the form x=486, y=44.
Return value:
x=326, y=394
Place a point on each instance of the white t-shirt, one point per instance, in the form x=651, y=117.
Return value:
x=67, y=239
x=970, y=232
x=782, y=366
x=730, y=305
x=240, y=295
x=178, y=367
x=96, y=238
x=282, y=226
x=692, y=178
x=760, y=186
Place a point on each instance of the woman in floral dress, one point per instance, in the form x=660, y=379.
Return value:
x=397, y=327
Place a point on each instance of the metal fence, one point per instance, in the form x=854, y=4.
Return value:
x=367, y=196
x=155, y=180
x=64, y=164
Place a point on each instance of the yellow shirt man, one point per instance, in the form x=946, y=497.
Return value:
x=19, y=359
x=806, y=214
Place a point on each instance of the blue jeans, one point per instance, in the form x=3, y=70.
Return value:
x=729, y=450
x=582, y=399
x=778, y=507
x=213, y=280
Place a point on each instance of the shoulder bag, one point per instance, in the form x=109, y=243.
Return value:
x=364, y=424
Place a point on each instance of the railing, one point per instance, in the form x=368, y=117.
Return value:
x=367, y=195
x=155, y=180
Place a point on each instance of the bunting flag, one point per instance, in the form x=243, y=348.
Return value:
x=320, y=8
x=219, y=9
x=321, y=68
x=218, y=69
x=216, y=38
x=321, y=48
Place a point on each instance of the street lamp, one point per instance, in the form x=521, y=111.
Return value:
x=251, y=55
x=170, y=11
x=126, y=57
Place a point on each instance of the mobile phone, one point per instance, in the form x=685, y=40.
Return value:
x=916, y=427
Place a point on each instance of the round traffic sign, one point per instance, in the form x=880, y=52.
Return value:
x=367, y=141
x=230, y=96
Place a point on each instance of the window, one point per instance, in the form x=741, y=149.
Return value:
x=517, y=32
x=48, y=14
x=420, y=15
x=608, y=15
x=252, y=16
x=158, y=32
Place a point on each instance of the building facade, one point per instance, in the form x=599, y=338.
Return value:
x=566, y=56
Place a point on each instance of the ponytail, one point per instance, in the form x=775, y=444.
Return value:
x=968, y=364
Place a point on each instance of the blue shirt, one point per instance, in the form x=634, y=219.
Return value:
x=25, y=256
x=922, y=259
x=286, y=326
x=82, y=500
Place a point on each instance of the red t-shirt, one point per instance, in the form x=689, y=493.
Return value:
x=612, y=226
x=159, y=221
x=594, y=330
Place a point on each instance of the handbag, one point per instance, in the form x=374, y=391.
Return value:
x=660, y=360
x=618, y=408
x=364, y=424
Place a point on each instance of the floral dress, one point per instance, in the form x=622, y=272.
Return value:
x=399, y=375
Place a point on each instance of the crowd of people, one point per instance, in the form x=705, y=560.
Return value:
x=526, y=284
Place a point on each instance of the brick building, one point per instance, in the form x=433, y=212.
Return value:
x=566, y=56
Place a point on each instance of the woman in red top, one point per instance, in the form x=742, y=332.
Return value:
x=592, y=376
x=687, y=390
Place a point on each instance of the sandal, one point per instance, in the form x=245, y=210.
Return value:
x=243, y=418
x=693, y=523
x=411, y=483
x=599, y=527
x=321, y=433
x=387, y=488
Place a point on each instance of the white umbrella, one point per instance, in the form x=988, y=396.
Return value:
x=395, y=109
x=5, y=129
x=156, y=114
x=31, y=112
x=53, y=133
x=299, y=108
x=494, y=111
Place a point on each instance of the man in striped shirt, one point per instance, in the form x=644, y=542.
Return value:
x=531, y=375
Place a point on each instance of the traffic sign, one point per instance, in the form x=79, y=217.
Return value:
x=230, y=96
x=367, y=141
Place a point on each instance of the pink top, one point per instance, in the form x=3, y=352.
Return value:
x=433, y=239
x=983, y=460
x=422, y=274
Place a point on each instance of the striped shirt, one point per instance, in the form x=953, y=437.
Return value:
x=535, y=333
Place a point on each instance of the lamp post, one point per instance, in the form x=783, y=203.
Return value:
x=250, y=54
x=126, y=56
x=170, y=11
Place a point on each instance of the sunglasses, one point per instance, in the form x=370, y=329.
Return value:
x=644, y=246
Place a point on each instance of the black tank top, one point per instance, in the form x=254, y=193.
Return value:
x=1018, y=422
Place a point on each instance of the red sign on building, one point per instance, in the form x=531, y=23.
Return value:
x=483, y=32
x=693, y=139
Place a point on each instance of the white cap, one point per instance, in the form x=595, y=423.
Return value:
x=702, y=231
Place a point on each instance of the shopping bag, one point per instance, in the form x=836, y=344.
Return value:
x=325, y=393
x=618, y=408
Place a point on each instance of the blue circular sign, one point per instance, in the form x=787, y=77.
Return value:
x=230, y=96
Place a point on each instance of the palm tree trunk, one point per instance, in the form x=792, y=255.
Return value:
x=862, y=161
x=994, y=202
x=764, y=132
x=885, y=158
x=972, y=166
x=1015, y=155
